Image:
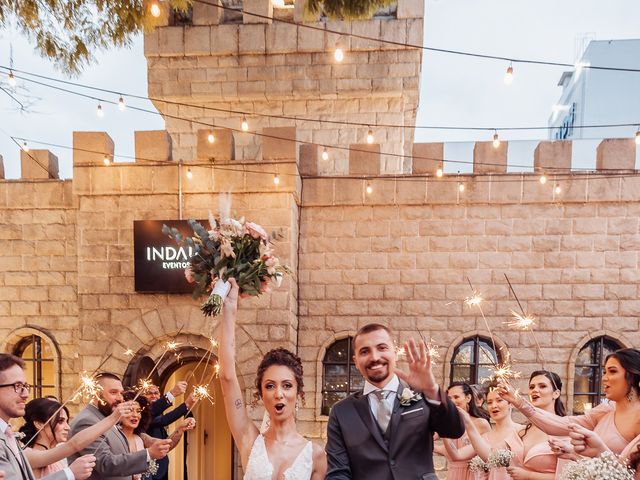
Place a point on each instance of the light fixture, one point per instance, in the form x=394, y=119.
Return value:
x=460, y=187
x=11, y=79
x=338, y=54
x=211, y=138
x=508, y=77
x=245, y=124
x=558, y=189
x=325, y=154
x=189, y=174
x=99, y=111
x=496, y=140
x=25, y=147
x=121, y=104
x=439, y=173
x=369, y=189
x=638, y=137
x=106, y=161
x=370, y=137
x=155, y=9
x=543, y=179
x=276, y=179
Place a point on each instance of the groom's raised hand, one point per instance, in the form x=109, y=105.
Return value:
x=420, y=377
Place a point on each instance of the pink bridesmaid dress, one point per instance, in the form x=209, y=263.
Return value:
x=538, y=459
x=459, y=469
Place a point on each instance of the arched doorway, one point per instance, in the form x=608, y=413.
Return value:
x=206, y=451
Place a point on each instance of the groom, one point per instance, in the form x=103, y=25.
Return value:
x=386, y=431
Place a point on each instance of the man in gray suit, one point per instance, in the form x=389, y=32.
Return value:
x=114, y=461
x=386, y=431
x=14, y=391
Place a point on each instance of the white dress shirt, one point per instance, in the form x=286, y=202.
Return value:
x=392, y=386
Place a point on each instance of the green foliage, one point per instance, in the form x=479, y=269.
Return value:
x=346, y=9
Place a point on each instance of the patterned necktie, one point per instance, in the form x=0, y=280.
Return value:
x=384, y=411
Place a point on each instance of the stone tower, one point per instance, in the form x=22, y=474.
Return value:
x=224, y=63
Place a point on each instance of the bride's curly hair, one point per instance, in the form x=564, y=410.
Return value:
x=280, y=356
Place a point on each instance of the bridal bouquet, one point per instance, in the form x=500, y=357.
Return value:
x=605, y=466
x=477, y=465
x=231, y=248
x=499, y=458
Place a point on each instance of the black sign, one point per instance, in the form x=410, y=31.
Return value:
x=159, y=261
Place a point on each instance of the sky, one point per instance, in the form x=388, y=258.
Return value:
x=454, y=90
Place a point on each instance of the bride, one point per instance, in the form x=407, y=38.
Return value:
x=280, y=452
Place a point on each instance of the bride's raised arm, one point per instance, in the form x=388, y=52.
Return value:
x=242, y=427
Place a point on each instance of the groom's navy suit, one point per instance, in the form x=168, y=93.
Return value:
x=358, y=449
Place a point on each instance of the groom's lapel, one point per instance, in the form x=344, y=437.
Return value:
x=362, y=407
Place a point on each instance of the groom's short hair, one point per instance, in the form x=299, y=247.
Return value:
x=370, y=327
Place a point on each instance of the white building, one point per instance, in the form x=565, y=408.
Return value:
x=600, y=97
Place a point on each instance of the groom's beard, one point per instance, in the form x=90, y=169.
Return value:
x=377, y=376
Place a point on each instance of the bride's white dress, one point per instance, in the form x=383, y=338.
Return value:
x=259, y=467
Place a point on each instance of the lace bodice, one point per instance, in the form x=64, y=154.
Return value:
x=259, y=466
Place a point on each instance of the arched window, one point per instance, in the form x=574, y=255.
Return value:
x=38, y=356
x=473, y=360
x=340, y=378
x=587, y=384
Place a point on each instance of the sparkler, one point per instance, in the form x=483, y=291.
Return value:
x=522, y=322
x=505, y=371
x=129, y=353
x=476, y=300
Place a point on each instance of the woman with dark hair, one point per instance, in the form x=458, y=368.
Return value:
x=615, y=422
x=134, y=426
x=463, y=397
x=47, y=446
x=280, y=451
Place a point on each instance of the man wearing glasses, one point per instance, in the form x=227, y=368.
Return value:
x=14, y=391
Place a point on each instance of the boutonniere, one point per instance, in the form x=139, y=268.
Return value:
x=19, y=435
x=152, y=470
x=408, y=396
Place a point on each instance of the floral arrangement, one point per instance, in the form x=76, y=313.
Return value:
x=408, y=397
x=500, y=458
x=605, y=466
x=231, y=248
x=476, y=464
x=152, y=470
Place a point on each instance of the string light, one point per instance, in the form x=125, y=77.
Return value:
x=460, y=186
x=508, y=77
x=106, y=161
x=245, y=124
x=211, y=138
x=189, y=174
x=325, y=154
x=439, y=173
x=11, y=79
x=276, y=179
x=99, y=111
x=543, y=179
x=25, y=147
x=369, y=189
x=338, y=54
x=638, y=137
x=155, y=9
x=496, y=140
x=558, y=189
x=121, y=104
x=370, y=137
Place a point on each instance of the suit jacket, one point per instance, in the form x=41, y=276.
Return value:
x=16, y=470
x=157, y=428
x=111, y=449
x=358, y=449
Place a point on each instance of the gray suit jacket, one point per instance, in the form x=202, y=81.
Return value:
x=16, y=470
x=113, y=460
x=357, y=448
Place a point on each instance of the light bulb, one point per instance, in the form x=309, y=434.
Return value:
x=370, y=136
x=496, y=140
x=25, y=147
x=558, y=189
x=325, y=154
x=211, y=138
x=106, y=161
x=244, y=125
x=439, y=173
x=189, y=174
x=276, y=179
x=461, y=187
x=155, y=9
x=338, y=54
x=543, y=179
x=121, y=105
x=508, y=77
x=99, y=111
x=11, y=79
x=369, y=189
x=638, y=137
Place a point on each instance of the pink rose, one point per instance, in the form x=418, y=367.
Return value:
x=188, y=274
x=256, y=231
x=264, y=286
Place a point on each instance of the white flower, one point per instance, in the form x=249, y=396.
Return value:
x=408, y=396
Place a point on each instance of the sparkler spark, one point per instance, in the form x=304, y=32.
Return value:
x=216, y=369
x=201, y=392
x=129, y=353
x=505, y=371
x=89, y=388
x=144, y=384
x=214, y=343
x=474, y=300
x=172, y=346
x=523, y=322
x=433, y=351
